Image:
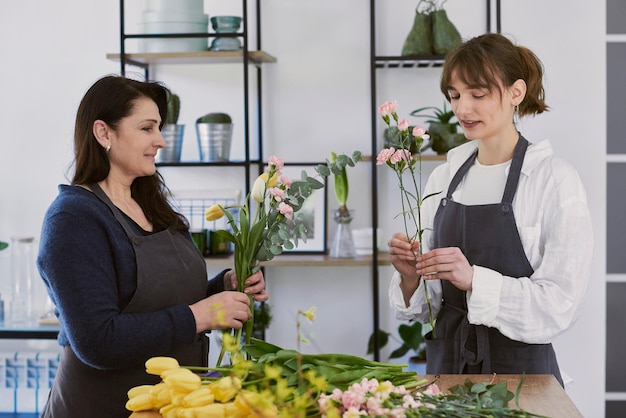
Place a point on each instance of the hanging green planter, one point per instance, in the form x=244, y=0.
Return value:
x=445, y=34
x=419, y=40
x=432, y=32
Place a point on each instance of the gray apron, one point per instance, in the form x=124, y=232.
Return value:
x=488, y=237
x=170, y=271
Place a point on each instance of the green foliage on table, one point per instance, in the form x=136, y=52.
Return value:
x=3, y=245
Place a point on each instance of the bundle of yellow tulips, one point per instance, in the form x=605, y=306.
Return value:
x=182, y=394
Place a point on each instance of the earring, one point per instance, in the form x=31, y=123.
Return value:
x=108, y=148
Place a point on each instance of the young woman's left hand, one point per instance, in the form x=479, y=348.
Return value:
x=447, y=263
x=255, y=285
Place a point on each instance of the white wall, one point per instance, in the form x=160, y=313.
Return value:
x=317, y=100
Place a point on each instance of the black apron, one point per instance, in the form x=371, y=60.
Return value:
x=488, y=237
x=170, y=271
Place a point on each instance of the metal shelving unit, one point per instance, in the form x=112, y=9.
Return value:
x=246, y=57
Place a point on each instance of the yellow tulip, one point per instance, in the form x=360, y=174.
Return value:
x=199, y=397
x=156, y=365
x=169, y=411
x=183, y=382
x=254, y=404
x=160, y=395
x=261, y=184
x=214, y=410
x=226, y=388
x=141, y=402
x=213, y=212
x=137, y=390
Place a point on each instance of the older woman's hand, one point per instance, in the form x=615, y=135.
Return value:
x=255, y=285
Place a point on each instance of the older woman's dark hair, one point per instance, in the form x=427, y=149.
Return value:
x=494, y=62
x=111, y=99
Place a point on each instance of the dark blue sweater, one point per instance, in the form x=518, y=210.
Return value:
x=88, y=265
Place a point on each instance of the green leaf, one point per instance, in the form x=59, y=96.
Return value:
x=383, y=339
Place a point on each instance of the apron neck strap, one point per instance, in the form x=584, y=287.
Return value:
x=95, y=187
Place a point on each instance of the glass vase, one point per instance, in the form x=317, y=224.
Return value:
x=342, y=245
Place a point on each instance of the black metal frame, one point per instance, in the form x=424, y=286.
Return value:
x=376, y=62
x=124, y=61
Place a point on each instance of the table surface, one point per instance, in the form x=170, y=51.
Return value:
x=541, y=394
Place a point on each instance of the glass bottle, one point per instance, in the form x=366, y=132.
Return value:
x=343, y=244
x=22, y=264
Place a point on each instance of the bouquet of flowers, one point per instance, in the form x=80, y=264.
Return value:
x=273, y=226
x=401, y=160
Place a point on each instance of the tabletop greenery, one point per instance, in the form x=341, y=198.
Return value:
x=284, y=383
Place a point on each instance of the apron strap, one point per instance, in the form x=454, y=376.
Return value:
x=515, y=170
x=461, y=173
x=95, y=187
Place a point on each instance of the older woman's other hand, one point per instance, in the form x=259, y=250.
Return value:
x=254, y=285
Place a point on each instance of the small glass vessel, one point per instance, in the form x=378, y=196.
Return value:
x=343, y=245
x=225, y=24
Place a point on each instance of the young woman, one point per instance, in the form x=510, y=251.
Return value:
x=119, y=263
x=507, y=251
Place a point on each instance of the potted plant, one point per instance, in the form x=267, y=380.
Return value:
x=411, y=340
x=441, y=128
x=215, y=132
x=172, y=132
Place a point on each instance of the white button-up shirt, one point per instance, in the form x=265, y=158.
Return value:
x=553, y=220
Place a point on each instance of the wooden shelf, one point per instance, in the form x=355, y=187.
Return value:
x=199, y=57
x=307, y=260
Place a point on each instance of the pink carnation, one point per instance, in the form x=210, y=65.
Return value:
x=285, y=210
x=275, y=161
x=277, y=193
x=399, y=155
x=285, y=180
x=432, y=390
x=403, y=125
x=388, y=107
x=419, y=131
x=384, y=155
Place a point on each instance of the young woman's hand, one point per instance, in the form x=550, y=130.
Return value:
x=447, y=263
x=403, y=256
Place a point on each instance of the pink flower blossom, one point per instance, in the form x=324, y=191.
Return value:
x=285, y=210
x=432, y=390
x=409, y=401
x=352, y=399
x=277, y=162
x=388, y=107
x=277, y=193
x=400, y=155
x=403, y=125
x=419, y=131
x=385, y=155
x=286, y=181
